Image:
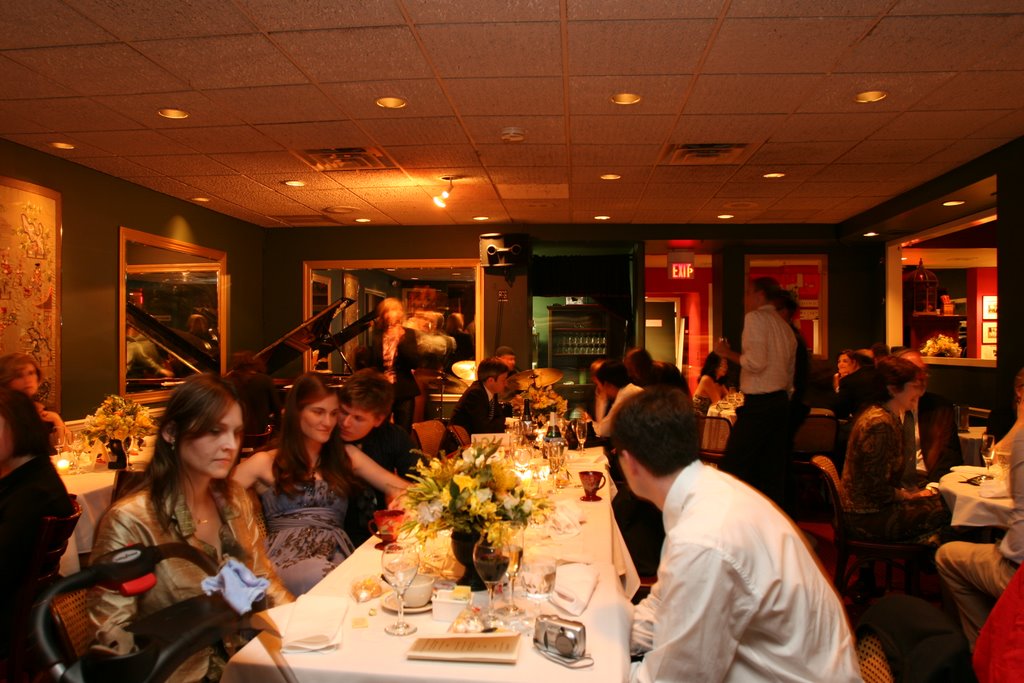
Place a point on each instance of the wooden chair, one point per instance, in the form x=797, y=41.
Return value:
x=816, y=436
x=460, y=434
x=714, y=435
x=874, y=665
x=71, y=617
x=42, y=570
x=429, y=433
x=904, y=555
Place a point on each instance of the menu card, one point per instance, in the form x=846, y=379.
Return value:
x=486, y=648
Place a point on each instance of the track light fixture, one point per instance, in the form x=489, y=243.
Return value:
x=441, y=199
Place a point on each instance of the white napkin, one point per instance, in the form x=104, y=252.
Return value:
x=994, y=488
x=566, y=519
x=312, y=623
x=967, y=470
x=574, y=584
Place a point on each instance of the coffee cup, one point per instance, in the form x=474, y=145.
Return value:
x=592, y=481
x=386, y=525
x=420, y=591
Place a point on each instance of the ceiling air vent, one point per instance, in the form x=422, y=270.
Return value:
x=304, y=220
x=705, y=154
x=346, y=159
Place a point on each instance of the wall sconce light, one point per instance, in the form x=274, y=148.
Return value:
x=442, y=198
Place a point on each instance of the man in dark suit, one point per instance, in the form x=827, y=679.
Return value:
x=938, y=441
x=479, y=410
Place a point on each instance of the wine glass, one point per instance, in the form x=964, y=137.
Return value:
x=579, y=426
x=400, y=564
x=491, y=560
x=988, y=443
x=514, y=546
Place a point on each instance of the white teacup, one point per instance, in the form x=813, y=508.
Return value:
x=419, y=591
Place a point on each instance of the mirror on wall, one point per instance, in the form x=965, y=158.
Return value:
x=173, y=310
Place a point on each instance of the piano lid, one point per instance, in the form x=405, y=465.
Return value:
x=314, y=333
x=171, y=341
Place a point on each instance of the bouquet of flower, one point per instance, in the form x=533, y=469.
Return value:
x=119, y=418
x=542, y=400
x=474, y=491
x=941, y=345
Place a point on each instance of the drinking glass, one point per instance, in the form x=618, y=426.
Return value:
x=491, y=560
x=556, y=463
x=399, y=565
x=538, y=576
x=579, y=426
x=988, y=443
x=514, y=545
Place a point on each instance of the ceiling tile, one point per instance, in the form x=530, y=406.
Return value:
x=892, y=151
x=612, y=155
x=760, y=190
x=132, y=142
x=70, y=114
x=792, y=203
x=614, y=10
x=318, y=135
x=733, y=128
x=493, y=50
x=241, y=61
x=251, y=163
x=539, y=130
x=936, y=125
x=956, y=7
x=837, y=92
x=604, y=191
x=182, y=164
x=807, y=8
x=479, y=11
x=511, y=175
x=359, y=100
x=169, y=186
x=42, y=23
x=962, y=151
x=246, y=192
x=98, y=69
x=164, y=18
x=630, y=174
x=837, y=189
x=1007, y=128
x=830, y=126
x=223, y=139
x=824, y=152
x=294, y=15
x=342, y=55
x=863, y=172
x=506, y=96
x=317, y=183
x=661, y=94
x=277, y=104
x=603, y=48
x=115, y=166
x=794, y=173
x=142, y=109
x=748, y=94
x=687, y=191
x=523, y=155
x=635, y=130
x=369, y=178
x=13, y=123
x=18, y=82
x=428, y=156
x=41, y=141
x=979, y=90
x=715, y=173
x=806, y=45
x=432, y=131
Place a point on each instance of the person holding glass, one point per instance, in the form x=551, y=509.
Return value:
x=976, y=574
x=306, y=482
x=186, y=497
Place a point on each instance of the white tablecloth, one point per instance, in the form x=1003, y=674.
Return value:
x=969, y=508
x=93, y=490
x=371, y=655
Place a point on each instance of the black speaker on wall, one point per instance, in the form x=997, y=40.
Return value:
x=500, y=250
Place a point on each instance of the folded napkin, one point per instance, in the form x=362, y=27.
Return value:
x=574, y=584
x=994, y=488
x=967, y=470
x=566, y=519
x=314, y=623
x=239, y=586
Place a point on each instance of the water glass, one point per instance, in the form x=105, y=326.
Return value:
x=491, y=561
x=399, y=565
x=988, y=442
x=538, y=576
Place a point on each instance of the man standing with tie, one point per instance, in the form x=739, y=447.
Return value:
x=758, y=447
x=479, y=410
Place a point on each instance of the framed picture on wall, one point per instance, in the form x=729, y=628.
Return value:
x=989, y=307
x=988, y=351
x=989, y=333
x=30, y=293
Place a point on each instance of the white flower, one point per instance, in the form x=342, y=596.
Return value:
x=429, y=512
x=483, y=495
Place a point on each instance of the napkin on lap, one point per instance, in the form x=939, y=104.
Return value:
x=239, y=586
x=316, y=623
x=574, y=584
x=994, y=488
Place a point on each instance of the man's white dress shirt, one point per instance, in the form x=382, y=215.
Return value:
x=769, y=352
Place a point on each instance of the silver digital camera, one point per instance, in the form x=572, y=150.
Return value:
x=559, y=636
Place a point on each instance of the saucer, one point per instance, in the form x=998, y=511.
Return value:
x=390, y=603
x=590, y=499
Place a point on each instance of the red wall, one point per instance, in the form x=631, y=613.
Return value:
x=692, y=296
x=980, y=282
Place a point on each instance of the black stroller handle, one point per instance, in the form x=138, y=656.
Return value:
x=164, y=639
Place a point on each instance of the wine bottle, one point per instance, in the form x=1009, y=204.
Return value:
x=527, y=417
x=553, y=432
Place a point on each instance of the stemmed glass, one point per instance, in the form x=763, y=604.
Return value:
x=491, y=560
x=556, y=463
x=514, y=545
x=988, y=443
x=579, y=426
x=400, y=564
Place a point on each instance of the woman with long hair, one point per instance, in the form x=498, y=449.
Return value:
x=30, y=489
x=185, y=497
x=710, y=389
x=394, y=352
x=305, y=485
x=21, y=372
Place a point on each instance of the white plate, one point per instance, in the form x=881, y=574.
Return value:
x=390, y=603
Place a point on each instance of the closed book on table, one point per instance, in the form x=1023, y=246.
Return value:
x=485, y=648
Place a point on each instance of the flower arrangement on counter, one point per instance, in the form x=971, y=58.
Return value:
x=474, y=491
x=542, y=401
x=941, y=345
x=121, y=419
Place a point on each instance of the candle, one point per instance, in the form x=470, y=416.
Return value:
x=63, y=465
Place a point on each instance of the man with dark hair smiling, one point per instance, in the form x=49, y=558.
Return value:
x=739, y=596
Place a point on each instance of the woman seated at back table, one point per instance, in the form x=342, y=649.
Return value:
x=21, y=372
x=710, y=389
x=305, y=485
x=30, y=489
x=877, y=505
x=185, y=497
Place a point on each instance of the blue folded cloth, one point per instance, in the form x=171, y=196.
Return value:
x=239, y=586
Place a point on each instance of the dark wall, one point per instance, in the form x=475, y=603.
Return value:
x=94, y=206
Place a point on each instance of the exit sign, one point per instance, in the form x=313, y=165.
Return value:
x=680, y=271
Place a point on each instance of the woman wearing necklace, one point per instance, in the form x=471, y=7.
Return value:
x=186, y=496
x=305, y=485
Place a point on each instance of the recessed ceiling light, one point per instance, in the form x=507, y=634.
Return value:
x=871, y=234
x=726, y=216
x=513, y=134
x=362, y=220
x=61, y=145
x=953, y=202
x=869, y=96
x=481, y=218
x=201, y=199
x=391, y=102
x=339, y=209
x=774, y=175
x=602, y=218
x=903, y=258
x=294, y=183
x=610, y=176
x=625, y=98
x=169, y=113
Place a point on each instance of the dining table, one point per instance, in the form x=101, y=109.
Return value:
x=369, y=655
x=972, y=505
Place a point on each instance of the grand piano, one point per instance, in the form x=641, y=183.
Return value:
x=313, y=334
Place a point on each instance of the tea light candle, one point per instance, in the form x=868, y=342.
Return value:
x=63, y=465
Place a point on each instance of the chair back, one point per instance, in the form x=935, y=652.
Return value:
x=874, y=665
x=251, y=443
x=816, y=435
x=715, y=434
x=125, y=482
x=460, y=434
x=833, y=491
x=429, y=433
x=71, y=615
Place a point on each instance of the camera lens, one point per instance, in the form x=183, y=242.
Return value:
x=564, y=643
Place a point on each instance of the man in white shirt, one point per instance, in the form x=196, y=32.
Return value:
x=758, y=447
x=739, y=596
x=612, y=387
